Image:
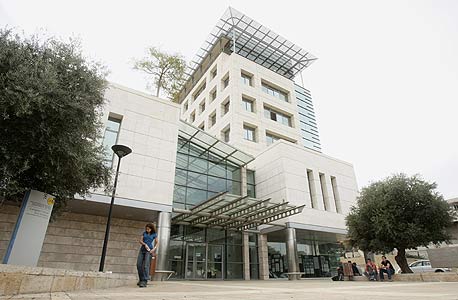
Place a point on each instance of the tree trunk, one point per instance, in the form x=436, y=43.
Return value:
x=402, y=261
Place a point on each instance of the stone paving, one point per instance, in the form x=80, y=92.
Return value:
x=272, y=290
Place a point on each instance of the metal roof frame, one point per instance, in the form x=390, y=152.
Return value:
x=256, y=42
x=234, y=212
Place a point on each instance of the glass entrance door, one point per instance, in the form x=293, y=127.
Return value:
x=204, y=261
x=196, y=265
x=215, y=262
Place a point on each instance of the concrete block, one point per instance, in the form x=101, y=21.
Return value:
x=63, y=283
x=84, y=283
x=10, y=283
x=36, y=284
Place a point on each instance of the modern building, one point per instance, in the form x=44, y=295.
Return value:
x=233, y=173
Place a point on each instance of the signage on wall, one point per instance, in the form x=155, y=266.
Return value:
x=30, y=229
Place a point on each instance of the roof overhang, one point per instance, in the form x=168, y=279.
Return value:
x=210, y=143
x=232, y=212
x=238, y=33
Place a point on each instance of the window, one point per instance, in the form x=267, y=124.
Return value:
x=212, y=119
x=249, y=133
x=226, y=134
x=202, y=106
x=324, y=192
x=199, y=90
x=110, y=138
x=248, y=104
x=225, y=81
x=336, y=195
x=271, y=138
x=225, y=107
x=246, y=79
x=192, y=118
x=214, y=72
x=310, y=179
x=277, y=116
x=213, y=94
x=185, y=106
x=251, y=191
x=268, y=89
x=202, y=126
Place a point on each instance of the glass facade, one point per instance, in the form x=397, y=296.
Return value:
x=206, y=253
x=307, y=120
x=318, y=258
x=200, y=174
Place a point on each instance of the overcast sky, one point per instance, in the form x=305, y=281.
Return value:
x=385, y=85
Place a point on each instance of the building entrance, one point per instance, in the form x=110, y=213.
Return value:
x=204, y=261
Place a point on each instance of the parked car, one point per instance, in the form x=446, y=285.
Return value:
x=424, y=265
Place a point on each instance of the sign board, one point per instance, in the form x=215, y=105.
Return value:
x=30, y=229
x=446, y=257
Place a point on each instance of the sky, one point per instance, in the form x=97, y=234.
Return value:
x=385, y=85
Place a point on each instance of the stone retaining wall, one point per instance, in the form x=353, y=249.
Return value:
x=74, y=241
x=27, y=280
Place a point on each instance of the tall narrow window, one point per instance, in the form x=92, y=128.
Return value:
x=312, y=191
x=213, y=94
x=246, y=79
x=185, y=106
x=214, y=72
x=225, y=106
x=336, y=195
x=324, y=192
x=248, y=104
x=249, y=133
x=251, y=190
x=212, y=120
x=226, y=134
x=192, y=117
x=225, y=81
x=199, y=90
x=202, y=106
x=110, y=138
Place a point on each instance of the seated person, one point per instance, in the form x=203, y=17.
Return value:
x=386, y=267
x=339, y=276
x=355, y=269
x=371, y=270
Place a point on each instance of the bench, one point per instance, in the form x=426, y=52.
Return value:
x=163, y=272
x=294, y=275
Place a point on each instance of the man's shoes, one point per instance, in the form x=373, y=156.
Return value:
x=142, y=284
x=138, y=283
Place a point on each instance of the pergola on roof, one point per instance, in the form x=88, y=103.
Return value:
x=236, y=32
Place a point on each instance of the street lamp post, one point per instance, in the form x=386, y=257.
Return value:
x=120, y=151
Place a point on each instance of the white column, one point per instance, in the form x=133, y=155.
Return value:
x=263, y=257
x=291, y=251
x=246, y=256
x=163, y=234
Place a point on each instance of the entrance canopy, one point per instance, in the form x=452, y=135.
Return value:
x=234, y=212
x=214, y=145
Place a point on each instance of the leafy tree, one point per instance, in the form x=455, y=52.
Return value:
x=399, y=212
x=50, y=103
x=166, y=71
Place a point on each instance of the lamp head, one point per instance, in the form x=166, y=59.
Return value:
x=121, y=150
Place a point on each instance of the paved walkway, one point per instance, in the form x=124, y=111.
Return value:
x=273, y=290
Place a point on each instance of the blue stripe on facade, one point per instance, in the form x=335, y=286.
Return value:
x=309, y=129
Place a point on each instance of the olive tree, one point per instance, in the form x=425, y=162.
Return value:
x=50, y=104
x=166, y=71
x=399, y=212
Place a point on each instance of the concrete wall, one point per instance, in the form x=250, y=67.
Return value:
x=149, y=126
x=281, y=173
x=74, y=241
x=233, y=65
